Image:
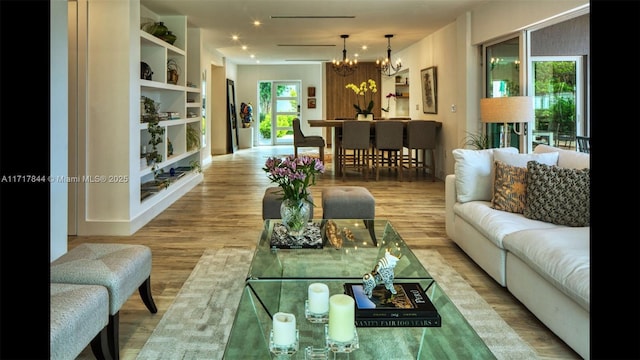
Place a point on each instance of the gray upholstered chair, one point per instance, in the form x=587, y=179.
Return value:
x=421, y=136
x=300, y=140
x=356, y=137
x=388, y=146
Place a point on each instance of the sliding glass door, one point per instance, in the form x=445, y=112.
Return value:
x=558, y=89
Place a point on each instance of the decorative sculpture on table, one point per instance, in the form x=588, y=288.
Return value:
x=382, y=273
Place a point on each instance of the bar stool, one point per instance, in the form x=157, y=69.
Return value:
x=388, y=146
x=421, y=136
x=356, y=136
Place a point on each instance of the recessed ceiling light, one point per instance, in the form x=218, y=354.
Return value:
x=244, y=47
x=252, y=56
x=256, y=22
x=234, y=37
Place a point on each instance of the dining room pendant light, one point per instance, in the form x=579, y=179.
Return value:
x=345, y=66
x=386, y=66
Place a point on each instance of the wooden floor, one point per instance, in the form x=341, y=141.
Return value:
x=225, y=210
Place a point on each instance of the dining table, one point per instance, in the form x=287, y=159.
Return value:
x=336, y=126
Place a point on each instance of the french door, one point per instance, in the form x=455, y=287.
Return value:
x=286, y=107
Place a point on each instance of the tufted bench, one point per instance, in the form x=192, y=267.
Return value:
x=79, y=315
x=121, y=268
x=350, y=202
x=271, y=202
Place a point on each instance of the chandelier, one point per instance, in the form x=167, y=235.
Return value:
x=346, y=66
x=386, y=67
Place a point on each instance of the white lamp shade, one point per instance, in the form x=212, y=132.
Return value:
x=511, y=109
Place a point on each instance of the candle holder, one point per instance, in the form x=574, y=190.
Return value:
x=313, y=353
x=284, y=351
x=341, y=346
x=313, y=317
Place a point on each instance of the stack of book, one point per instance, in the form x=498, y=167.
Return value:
x=409, y=307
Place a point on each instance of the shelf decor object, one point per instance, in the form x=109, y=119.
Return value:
x=345, y=66
x=173, y=72
x=386, y=66
x=169, y=37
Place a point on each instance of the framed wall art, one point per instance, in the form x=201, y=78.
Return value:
x=429, y=82
x=311, y=103
x=311, y=91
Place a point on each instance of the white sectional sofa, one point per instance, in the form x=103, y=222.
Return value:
x=540, y=259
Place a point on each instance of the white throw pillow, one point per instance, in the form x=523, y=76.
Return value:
x=473, y=170
x=521, y=160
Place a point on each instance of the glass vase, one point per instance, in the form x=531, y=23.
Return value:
x=295, y=215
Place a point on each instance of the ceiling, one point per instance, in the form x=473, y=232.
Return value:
x=308, y=31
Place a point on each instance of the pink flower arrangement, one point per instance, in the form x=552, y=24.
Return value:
x=294, y=175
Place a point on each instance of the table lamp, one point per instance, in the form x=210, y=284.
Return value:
x=505, y=110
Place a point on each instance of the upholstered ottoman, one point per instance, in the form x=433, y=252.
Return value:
x=121, y=268
x=348, y=202
x=271, y=203
x=79, y=315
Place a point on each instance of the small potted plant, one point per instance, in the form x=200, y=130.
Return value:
x=155, y=131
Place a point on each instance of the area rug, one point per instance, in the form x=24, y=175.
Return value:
x=197, y=324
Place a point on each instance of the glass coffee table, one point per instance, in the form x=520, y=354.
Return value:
x=278, y=280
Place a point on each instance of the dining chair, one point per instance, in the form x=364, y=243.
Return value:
x=420, y=137
x=301, y=140
x=388, y=147
x=583, y=144
x=356, y=138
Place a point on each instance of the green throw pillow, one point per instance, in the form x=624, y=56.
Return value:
x=558, y=195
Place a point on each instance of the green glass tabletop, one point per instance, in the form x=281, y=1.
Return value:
x=261, y=299
x=361, y=249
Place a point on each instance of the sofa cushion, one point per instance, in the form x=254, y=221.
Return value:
x=560, y=255
x=566, y=158
x=473, y=172
x=495, y=224
x=509, y=188
x=558, y=195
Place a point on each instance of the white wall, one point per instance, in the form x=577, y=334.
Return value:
x=248, y=77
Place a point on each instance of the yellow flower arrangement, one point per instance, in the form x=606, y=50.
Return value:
x=365, y=87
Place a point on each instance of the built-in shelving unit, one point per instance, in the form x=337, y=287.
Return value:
x=111, y=133
x=181, y=99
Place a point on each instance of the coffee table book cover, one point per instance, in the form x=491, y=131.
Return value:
x=409, y=307
x=310, y=239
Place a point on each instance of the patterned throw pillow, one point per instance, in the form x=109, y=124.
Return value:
x=558, y=195
x=509, y=188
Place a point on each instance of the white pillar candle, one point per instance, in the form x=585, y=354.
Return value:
x=284, y=329
x=318, y=298
x=341, y=317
